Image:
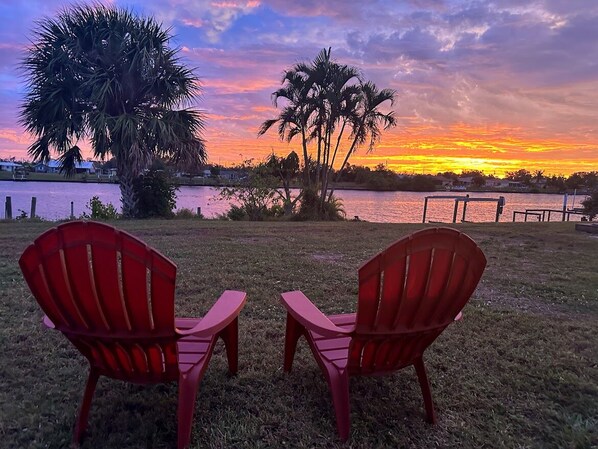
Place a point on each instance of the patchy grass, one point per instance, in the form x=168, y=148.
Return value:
x=519, y=371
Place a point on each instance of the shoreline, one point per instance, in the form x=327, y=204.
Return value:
x=343, y=187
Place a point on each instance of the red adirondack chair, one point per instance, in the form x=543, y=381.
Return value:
x=408, y=295
x=113, y=297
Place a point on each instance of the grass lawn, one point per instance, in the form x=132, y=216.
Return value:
x=519, y=371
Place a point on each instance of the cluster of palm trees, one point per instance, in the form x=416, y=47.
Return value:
x=333, y=111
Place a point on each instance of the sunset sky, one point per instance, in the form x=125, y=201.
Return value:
x=489, y=85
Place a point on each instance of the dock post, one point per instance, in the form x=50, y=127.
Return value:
x=455, y=211
x=464, y=210
x=8, y=208
x=425, y=209
x=33, y=205
x=199, y=211
x=500, y=204
x=72, y=210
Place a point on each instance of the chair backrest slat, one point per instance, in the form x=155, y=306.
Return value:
x=409, y=293
x=54, y=278
x=135, y=259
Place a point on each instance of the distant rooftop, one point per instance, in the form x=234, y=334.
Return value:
x=85, y=165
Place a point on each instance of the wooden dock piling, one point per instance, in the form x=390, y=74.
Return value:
x=33, y=206
x=8, y=208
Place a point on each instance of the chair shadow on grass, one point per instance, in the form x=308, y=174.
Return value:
x=388, y=408
x=131, y=415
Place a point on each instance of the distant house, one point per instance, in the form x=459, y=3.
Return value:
x=108, y=173
x=87, y=167
x=465, y=181
x=506, y=183
x=443, y=181
x=9, y=166
x=231, y=175
x=40, y=167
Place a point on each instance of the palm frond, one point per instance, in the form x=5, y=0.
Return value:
x=69, y=159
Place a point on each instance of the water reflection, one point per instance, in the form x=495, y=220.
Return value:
x=54, y=198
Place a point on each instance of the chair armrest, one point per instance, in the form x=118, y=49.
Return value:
x=306, y=313
x=48, y=322
x=222, y=313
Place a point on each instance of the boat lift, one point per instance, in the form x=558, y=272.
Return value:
x=545, y=214
x=500, y=203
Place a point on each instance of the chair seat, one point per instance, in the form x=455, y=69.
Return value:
x=334, y=350
x=192, y=350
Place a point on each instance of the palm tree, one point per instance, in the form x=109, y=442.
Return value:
x=538, y=176
x=109, y=77
x=328, y=103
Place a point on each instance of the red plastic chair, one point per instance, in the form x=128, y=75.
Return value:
x=113, y=297
x=408, y=295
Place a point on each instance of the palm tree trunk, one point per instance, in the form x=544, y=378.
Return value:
x=126, y=178
x=325, y=186
x=340, y=170
x=326, y=159
x=318, y=165
x=306, y=181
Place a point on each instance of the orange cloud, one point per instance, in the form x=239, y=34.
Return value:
x=248, y=4
x=238, y=86
x=15, y=135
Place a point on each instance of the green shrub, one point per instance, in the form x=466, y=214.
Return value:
x=155, y=194
x=257, y=194
x=22, y=216
x=312, y=209
x=186, y=213
x=236, y=213
x=99, y=210
x=590, y=205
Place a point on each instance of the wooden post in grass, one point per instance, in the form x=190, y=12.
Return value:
x=8, y=208
x=33, y=204
x=72, y=210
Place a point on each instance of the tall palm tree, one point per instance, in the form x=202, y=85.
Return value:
x=109, y=77
x=538, y=175
x=328, y=103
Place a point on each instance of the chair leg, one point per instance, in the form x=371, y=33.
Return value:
x=230, y=336
x=339, y=387
x=293, y=332
x=81, y=423
x=420, y=369
x=188, y=387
